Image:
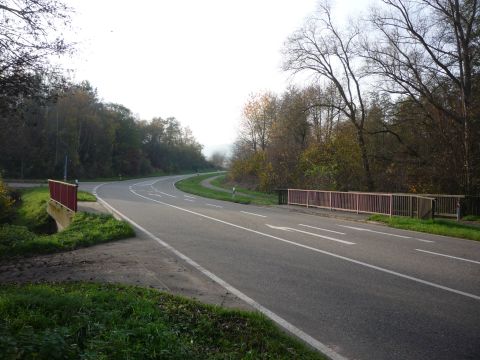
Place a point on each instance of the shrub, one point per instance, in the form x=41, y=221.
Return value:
x=6, y=203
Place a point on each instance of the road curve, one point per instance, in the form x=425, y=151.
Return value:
x=353, y=290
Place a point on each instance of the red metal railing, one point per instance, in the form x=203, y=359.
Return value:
x=63, y=193
x=360, y=202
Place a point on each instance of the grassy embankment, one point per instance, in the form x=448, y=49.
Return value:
x=436, y=226
x=32, y=230
x=193, y=185
x=93, y=321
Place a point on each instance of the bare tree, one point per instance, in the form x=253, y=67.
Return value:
x=259, y=114
x=218, y=159
x=323, y=48
x=427, y=50
x=29, y=32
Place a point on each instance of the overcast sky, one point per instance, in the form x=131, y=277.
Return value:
x=195, y=60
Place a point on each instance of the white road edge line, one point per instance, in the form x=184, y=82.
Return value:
x=250, y=213
x=448, y=256
x=317, y=228
x=391, y=272
x=273, y=316
x=217, y=206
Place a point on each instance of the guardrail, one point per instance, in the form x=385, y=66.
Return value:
x=360, y=202
x=64, y=194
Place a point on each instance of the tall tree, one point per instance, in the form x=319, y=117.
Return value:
x=29, y=34
x=323, y=48
x=428, y=50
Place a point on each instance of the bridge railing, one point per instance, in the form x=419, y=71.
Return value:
x=63, y=193
x=361, y=202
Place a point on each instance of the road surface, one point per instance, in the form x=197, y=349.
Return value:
x=352, y=290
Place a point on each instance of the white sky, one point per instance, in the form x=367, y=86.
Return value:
x=195, y=60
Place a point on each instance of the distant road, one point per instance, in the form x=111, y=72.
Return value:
x=355, y=290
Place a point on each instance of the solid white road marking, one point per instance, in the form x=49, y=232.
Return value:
x=250, y=213
x=391, y=272
x=156, y=195
x=188, y=196
x=384, y=233
x=273, y=316
x=309, y=233
x=449, y=256
x=317, y=228
x=189, y=200
x=161, y=192
x=217, y=206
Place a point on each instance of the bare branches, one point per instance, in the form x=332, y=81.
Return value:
x=28, y=36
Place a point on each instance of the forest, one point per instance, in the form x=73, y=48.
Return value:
x=47, y=121
x=98, y=139
x=392, y=103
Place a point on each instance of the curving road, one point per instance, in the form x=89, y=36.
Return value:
x=352, y=290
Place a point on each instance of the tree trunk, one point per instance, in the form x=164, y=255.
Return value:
x=366, y=164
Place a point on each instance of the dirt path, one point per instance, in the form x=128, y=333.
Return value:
x=136, y=261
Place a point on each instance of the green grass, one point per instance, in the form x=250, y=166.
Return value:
x=471, y=218
x=31, y=212
x=85, y=196
x=86, y=230
x=94, y=321
x=193, y=185
x=436, y=226
x=264, y=198
x=33, y=230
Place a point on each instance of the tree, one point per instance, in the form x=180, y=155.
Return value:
x=218, y=159
x=27, y=39
x=428, y=51
x=322, y=48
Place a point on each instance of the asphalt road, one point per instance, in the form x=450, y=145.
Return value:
x=355, y=290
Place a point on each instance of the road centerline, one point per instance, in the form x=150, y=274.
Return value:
x=384, y=233
x=322, y=229
x=309, y=233
x=250, y=213
x=213, y=205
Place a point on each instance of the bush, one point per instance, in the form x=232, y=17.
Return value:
x=6, y=203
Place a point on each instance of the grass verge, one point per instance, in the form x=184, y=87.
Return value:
x=436, y=226
x=31, y=212
x=85, y=196
x=259, y=197
x=193, y=185
x=471, y=218
x=94, y=321
x=33, y=230
x=86, y=230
